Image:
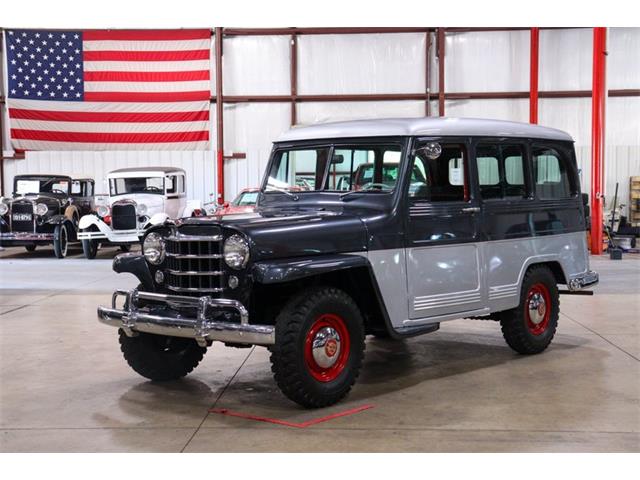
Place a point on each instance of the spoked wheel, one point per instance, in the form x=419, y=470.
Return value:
x=530, y=327
x=60, y=240
x=161, y=358
x=319, y=347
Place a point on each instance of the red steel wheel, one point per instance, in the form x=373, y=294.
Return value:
x=537, y=308
x=327, y=346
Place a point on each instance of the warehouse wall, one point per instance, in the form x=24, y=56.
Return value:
x=395, y=63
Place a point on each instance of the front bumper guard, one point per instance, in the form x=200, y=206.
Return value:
x=133, y=320
x=584, y=280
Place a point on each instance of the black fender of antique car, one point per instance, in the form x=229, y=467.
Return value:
x=60, y=219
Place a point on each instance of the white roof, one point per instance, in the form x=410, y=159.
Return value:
x=427, y=126
x=147, y=172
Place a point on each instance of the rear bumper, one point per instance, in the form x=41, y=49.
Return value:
x=584, y=280
x=134, y=319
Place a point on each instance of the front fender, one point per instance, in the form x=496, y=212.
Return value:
x=156, y=219
x=135, y=264
x=279, y=271
x=88, y=220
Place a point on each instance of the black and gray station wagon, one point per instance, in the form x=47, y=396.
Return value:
x=380, y=227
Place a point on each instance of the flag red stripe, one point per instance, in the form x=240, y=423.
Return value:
x=144, y=56
x=146, y=34
x=147, y=76
x=103, y=117
x=146, y=96
x=83, y=137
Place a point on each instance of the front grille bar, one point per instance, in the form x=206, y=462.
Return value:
x=194, y=290
x=194, y=238
x=194, y=272
x=187, y=256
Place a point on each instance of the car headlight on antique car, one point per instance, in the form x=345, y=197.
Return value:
x=4, y=208
x=102, y=211
x=141, y=209
x=153, y=248
x=41, y=209
x=236, y=252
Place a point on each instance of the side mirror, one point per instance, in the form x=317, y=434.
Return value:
x=337, y=160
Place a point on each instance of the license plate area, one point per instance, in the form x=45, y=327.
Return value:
x=22, y=217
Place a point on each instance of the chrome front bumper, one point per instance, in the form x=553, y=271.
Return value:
x=584, y=280
x=26, y=236
x=133, y=319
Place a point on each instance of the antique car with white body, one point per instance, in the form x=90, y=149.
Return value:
x=138, y=198
x=480, y=219
x=44, y=210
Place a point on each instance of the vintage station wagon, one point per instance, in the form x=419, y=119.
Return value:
x=478, y=219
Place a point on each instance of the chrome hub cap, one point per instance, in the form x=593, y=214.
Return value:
x=326, y=347
x=537, y=308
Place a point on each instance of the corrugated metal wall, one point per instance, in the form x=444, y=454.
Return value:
x=342, y=64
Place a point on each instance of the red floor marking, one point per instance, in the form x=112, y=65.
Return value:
x=224, y=411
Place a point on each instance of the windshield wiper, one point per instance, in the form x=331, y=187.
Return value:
x=360, y=191
x=280, y=190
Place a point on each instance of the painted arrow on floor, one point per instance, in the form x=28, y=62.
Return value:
x=309, y=423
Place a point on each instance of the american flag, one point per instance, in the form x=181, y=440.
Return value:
x=109, y=89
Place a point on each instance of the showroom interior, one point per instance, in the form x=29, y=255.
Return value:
x=460, y=388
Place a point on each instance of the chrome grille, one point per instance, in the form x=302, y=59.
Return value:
x=21, y=225
x=123, y=217
x=194, y=263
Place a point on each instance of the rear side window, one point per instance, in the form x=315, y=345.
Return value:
x=550, y=173
x=501, y=171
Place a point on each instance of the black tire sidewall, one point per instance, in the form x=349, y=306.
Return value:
x=544, y=276
x=61, y=240
x=288, y=358
x=90, y=248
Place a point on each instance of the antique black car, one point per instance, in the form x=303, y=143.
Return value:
x=44, y=209
x=478, y=219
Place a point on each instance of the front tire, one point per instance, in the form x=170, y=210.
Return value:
x=161, y=358
x=90, y=248
x=60, y=240
x=530, y=327
x=30, y=248
x=319, y=347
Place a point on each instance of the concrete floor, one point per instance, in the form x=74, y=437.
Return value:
x=65, y=387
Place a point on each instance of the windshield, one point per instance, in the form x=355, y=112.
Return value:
x=122, y=186
x=246, y=199
x=364, y=167
x=25, y=186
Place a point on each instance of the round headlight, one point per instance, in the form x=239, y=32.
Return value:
x=153, y=248
x=41, y=209
x=141, y=209
x=4, y=208
x=102, y=210
x=236, y=252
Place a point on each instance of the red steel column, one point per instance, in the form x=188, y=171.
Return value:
x=533, y=75
x=219, y=117
x=441, y=41
x=598, y=102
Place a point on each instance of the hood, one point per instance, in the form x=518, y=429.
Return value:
x=281, y=234
x=153, y=202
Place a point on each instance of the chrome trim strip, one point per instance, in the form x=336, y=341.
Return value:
x=132, y=320
x=192, y=256
x=193, y=272
x=178, y=237
x=195, y=290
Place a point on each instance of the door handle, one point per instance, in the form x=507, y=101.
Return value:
x=471, y=210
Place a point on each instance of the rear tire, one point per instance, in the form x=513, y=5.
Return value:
x=161, y=358
x=319, y=347
x=90, y=248
x=60, y=240
x=30, y=248
x=530, y=327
